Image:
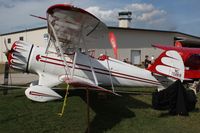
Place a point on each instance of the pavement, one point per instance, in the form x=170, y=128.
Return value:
x=19, y=78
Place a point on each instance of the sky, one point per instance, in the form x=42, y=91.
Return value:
x=171, y=15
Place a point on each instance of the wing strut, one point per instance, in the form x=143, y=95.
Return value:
x=75, y=55
x=93, y=73
x=91, y=67
x=74, y=64
x=59, y=50
x=110, y=75
x=48, y=44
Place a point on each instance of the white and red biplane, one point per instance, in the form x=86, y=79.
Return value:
x=62, y=61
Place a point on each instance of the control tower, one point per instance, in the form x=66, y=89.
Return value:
x=124, y=19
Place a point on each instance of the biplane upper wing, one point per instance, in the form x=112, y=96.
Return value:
x=74, y=26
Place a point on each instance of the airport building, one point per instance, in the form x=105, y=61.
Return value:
x=133, y=43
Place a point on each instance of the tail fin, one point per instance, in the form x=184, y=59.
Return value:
x=170, y=64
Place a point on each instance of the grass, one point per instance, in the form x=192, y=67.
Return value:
x=128, y=113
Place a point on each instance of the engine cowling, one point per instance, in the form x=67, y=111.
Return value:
x=18, y=56
x=41, y=94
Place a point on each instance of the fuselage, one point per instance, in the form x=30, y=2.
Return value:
x=107, y=71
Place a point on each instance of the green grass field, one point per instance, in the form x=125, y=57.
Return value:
x=126, y=114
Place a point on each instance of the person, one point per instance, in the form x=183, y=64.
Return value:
x=147, y=62
x=126, y=61
x=152, y=59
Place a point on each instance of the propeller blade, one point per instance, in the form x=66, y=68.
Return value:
x=6, y=46
x=7, y=49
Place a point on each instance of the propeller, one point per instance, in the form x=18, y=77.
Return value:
x=6, y=46
x=7, y=49
x=7, y=68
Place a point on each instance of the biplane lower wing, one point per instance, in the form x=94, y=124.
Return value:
x=85, y=83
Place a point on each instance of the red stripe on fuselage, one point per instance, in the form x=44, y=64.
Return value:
x=105, y=72
x=52, y=58
x=95, y=68
x=45, y=61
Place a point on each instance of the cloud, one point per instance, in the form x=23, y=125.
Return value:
x=104, y=15
x=17, y=16
x=12, y=3
x=141, y=7
x=15, y=13
x=142, y=14
x=5, y=4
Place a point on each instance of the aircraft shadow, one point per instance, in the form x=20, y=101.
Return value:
x=110, y=110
